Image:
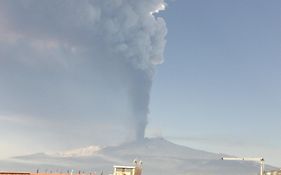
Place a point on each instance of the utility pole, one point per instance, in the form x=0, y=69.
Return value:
x=260, y=160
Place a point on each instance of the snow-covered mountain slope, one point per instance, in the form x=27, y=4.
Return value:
x=80, y=152
x=160, y=157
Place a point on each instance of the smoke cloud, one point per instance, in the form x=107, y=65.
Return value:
x=86, y=65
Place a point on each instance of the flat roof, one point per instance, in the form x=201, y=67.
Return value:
x=129, y=167
x=6, y=172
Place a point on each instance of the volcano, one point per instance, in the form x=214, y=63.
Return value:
x=160, y=157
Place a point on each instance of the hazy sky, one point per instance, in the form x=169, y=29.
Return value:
x=218, y=89
x=220, y=86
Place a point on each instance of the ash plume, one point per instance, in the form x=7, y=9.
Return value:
x=70, y=57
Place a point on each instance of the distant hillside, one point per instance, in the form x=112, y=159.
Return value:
x=160, y=157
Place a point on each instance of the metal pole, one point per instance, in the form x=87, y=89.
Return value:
x=262, y=166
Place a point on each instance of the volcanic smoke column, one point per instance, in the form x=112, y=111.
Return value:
x=140, y=94
x=136, y=37
x=147, y=43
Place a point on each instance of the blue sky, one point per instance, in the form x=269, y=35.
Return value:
x=219, y=88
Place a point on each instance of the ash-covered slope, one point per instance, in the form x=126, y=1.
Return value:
x=160, y=157
x=157, y=147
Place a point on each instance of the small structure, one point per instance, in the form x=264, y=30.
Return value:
x=128, y=170
x=124, y=170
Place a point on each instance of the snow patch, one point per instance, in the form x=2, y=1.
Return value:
x=80, y=152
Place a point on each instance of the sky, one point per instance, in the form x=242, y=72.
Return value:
x=219, y=87
x=73, y=72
